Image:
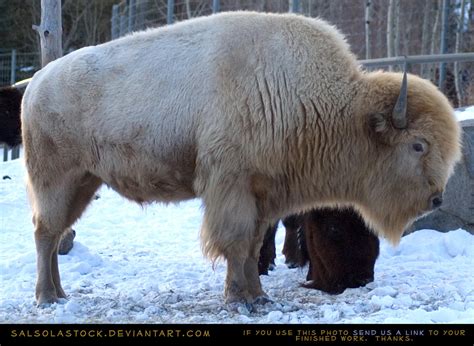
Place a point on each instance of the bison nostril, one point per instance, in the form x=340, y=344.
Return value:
x=436, y=201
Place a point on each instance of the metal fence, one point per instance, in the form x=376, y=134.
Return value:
x=10, y=154
x=374, y=28
x=371, y=26
x=15, y=66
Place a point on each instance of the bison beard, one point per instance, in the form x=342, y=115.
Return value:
x=341, y=250
x=206, y=108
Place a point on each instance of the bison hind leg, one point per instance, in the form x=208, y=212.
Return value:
x=267, y=257
x=57, y=203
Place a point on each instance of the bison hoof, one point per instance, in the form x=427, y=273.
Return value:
x=292, y=265
x=360, y=282
x=245, y=308
x=263, y=270
x=262, y=300
x=241, y=308
x=46, y=300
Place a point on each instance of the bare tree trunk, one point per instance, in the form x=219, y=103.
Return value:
x=434, y=36
x=50, y=31
x=310, y=8
x=368, y=33
x=294, y=6
x=188, y=9
x=443, y=45
x=396, y=29
x=425, y=34
x=457, y=71
x=407, y=28
x=434, y=33
x=390, y=25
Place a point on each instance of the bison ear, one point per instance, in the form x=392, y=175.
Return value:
x=378, y=123
x=381, y=129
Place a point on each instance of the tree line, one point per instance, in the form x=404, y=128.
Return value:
x=374, y=28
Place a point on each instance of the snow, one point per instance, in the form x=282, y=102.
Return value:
x=465, y=113
x=133, y=264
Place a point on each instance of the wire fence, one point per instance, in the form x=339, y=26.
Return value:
x=373, y=28
x=16, y=66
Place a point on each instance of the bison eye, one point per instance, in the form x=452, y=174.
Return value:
x=418, y=147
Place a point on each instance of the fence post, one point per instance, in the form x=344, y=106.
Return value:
x=13, y=67
x=170, y=12
x=5, y=153
x=216, y=6
x=131, y=15
x=115, y=22
x=295, y=6
x=16, y=152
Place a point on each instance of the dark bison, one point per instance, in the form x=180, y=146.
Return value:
x=294, y=247
x=339, y=247
x=205, y=108
x=10, y=124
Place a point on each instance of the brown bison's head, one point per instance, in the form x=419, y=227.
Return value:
x=412, y=148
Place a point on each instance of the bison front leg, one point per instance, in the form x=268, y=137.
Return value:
x=236, y=286
x=243, y=281
x=231, y=230
x=251, y=265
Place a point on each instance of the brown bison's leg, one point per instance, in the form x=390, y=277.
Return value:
x=295, y=254
x=56, y=206
x=267, y=257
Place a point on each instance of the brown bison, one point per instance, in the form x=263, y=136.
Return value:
x=266, y=260
x=342, y=251
x=294, y=247
x=339, y=247
x=10, y=124
x=205, y=108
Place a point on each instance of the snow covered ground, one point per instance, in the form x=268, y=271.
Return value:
x=144, y=265
x=465, y=113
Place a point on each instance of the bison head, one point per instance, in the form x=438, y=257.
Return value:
x=413, y=144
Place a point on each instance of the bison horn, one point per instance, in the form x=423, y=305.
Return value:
x=399, y=113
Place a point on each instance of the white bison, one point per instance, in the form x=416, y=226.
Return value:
x=260, y=115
